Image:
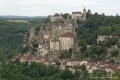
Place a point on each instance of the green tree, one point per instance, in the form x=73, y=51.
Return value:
x=105, y=30
x=56, y=14
x=65, y=16
x=66, y=74
x=114, y=52
x=118, y=44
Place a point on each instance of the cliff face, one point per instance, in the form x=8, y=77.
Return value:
x=55, y=37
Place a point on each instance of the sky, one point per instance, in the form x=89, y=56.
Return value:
x=49, y=7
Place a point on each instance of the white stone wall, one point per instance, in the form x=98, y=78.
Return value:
x=83, y=62
x=46, y=36
x=55, y=18
x=103, y=37
x=77, y=16
x=44, y=51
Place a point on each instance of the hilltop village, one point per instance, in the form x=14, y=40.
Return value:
x=58, y=36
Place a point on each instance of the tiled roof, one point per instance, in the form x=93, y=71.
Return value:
x=54, y=40
x=112, y=66
x=76, y=13
x=25, y=57
x=68, y=34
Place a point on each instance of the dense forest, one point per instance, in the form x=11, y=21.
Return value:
x=38, y=71
x=18, y=71
x=88, y=31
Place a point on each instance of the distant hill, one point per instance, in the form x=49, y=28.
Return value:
x=19, y=17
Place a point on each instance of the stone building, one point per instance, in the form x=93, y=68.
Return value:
x=74, y=16
x=42, y=50
x=46, y=36
x=79, y=15
x=104, y=37
x=54, y=45
x=66, y=41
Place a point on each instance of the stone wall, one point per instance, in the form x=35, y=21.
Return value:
x=55, y=18
x=54, y=45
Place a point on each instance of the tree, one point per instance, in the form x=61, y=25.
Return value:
x=117, y=74
x=83, y=48
x=105, y=43
x=56, y=14
x=116, y=29
x=106, y=30
x=95, y=52
x=66, y=15
x=118, y=44
x=66, y=54
x=89, y=13
x=66, y=74
x=77, y=73
x=114, y=52
x=100, y=73
x=58, y=63
x=83, y=67
x=70, y=51
x=25, y=49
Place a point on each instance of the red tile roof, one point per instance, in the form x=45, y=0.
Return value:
x=25, y=57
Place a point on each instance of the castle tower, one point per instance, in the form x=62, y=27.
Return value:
x=84, y=14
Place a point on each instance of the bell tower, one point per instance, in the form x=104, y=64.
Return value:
x=84, y=14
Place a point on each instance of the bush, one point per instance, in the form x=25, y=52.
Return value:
x=106, y=30
x=114, y=52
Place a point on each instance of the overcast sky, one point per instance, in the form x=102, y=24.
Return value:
x=46, y=7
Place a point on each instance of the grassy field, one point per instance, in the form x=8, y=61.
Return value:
x=18, y=21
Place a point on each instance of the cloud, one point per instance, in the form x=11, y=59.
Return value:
x=46, y=7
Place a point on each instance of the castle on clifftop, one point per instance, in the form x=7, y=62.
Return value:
x=73, y=16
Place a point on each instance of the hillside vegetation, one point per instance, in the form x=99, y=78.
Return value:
x=13, y=34
x=88, y=31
